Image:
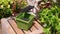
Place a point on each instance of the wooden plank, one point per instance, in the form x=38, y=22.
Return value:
x=0, y=29
x=14, y=26
x=18, y=31
x=38, y=26
x=27, y=32
x=10, y=25
x=33, y=28
x=6, y=28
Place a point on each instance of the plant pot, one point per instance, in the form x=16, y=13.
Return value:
x=24, y=20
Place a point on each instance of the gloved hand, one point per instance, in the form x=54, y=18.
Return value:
x=27, y=9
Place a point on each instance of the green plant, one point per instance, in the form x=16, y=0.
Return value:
x=7, y=13
x=24, y=20
x=20, y=5
x=5, y=10
x=50, y=19
x=23, y=4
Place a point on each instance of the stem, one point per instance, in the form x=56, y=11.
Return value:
x=53, y=30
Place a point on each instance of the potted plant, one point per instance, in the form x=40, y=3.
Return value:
x=24, y=20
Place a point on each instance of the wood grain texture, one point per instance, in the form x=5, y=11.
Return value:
x=14, y=26
x=6, y=28
x=0, y=29
x=9, y=27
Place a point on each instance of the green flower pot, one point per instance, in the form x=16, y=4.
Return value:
x=24, y=20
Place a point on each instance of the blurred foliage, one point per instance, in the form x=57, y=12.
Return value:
x=20, y=5
x=50, y=18
x=5, y=8
x=23, y=3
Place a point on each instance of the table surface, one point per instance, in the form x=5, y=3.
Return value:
x=11, y=27
x=0, y=29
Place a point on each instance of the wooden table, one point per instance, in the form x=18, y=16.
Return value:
x=9, y=27
x=0, y=29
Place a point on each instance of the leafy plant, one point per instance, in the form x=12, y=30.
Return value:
x=23, y=4
x=51, y=19
x=7, y=13
x=24, y=20
x=5, y=10
x=20, y=5
x=47, y=31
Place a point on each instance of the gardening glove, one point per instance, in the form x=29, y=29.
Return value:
x=27, y=8
x=31, y=13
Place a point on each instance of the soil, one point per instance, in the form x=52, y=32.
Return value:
x=25, y=19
